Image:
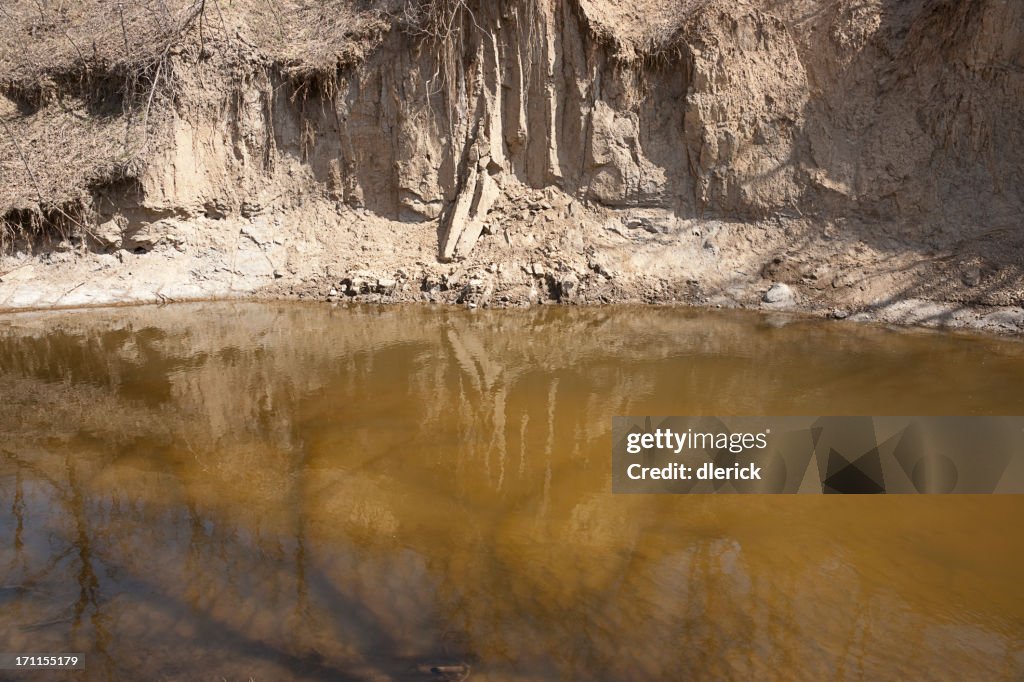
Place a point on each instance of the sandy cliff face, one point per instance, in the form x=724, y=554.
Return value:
x=861, y=153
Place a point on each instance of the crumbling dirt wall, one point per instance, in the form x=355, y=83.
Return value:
x=906, y=111
x=833, y=137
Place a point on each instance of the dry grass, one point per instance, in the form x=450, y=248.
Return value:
x=84, y=84
x=49, y=161
x=94, y=49
x=78, y=82
x=49, y=158
x=639, y=30
x=309, y=38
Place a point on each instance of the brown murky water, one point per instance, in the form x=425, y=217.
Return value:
x=277, y=492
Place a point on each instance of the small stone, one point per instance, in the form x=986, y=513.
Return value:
x=1009, y=319
x=640, y=223
x=779, y=293
x=332, y=292
x=217, y=209
x=259, y=231
x=109, y=234
x=567, y=288
x=971, y=276
x=839, y=314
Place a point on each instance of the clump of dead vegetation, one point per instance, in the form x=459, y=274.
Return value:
x=641, y=31
x=91, y=49
x=79, y=84
x=311, y=42
x=86, y=85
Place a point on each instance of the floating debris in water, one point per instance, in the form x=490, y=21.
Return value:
x=455, y=673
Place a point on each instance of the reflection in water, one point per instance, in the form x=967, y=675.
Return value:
x=235, y=491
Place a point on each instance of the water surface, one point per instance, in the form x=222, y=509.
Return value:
x=290, y=492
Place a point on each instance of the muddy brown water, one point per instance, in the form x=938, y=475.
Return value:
x=288, y=492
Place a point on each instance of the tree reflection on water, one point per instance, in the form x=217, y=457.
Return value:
x=290, y=492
